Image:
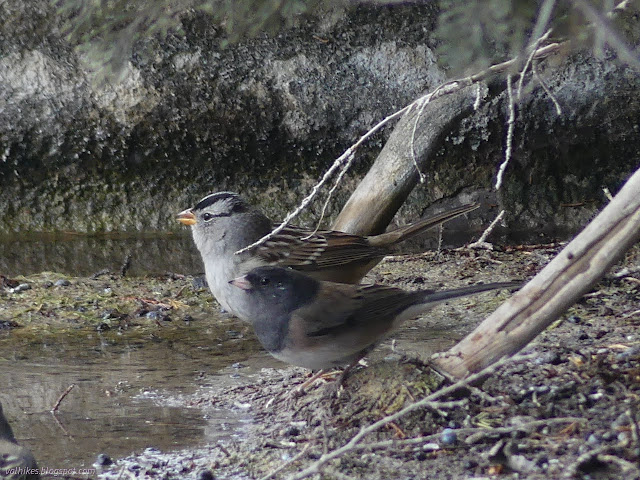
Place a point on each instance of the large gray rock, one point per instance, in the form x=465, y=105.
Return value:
x=268, y=115
x=265, y=115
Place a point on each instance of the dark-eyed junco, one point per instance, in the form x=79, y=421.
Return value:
x=223, y=223
x=318, y=325
x=16, y=462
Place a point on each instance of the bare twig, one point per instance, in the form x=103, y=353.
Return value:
x=547, y=90
x=601, y=455
x=481, y=433
x=476, y=104
x=511, y=122
x=529, y=61
x=344, y=170
x=62, y=396
x=473, y=434
x=482, y=241
x=423, y=104
x=542, y=22
x=316, y=466
x=607, y=193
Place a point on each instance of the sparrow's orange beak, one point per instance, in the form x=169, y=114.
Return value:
x=186, y=217
x=241, y=282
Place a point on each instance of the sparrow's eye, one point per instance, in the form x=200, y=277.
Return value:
x=207, y=216
x=264, y=281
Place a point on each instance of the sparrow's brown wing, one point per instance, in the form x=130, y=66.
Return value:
x=305, y=250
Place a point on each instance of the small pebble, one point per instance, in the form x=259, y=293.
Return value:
x=622, y=421
x=430, y=447
x=20, y=288
x=154, y=315
x=103, y=460
x=63, y=282
x=624, y=438
x=593, y=440
x=199, y=283
x=607, y=436
x=448, y=436
x=206, y=475
x=469, y=464
x=548, y=358
x=238, y=365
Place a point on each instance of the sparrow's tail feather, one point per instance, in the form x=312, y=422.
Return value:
x=403, y=233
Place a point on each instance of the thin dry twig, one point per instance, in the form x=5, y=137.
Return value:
x=62, y=397
x=482, y=241
x=423, y=104
x=343, y=171
x=316, y=466
x=472, y=433
x=344, y=158
x=478, y=100
x=530, y=60
x=545, y=87
x=601, y=455
x=511, y=122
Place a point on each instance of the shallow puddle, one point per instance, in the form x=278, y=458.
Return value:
x=128, y=394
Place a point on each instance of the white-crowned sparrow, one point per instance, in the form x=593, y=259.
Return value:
x=317, y=325
x=223, y=223
x=16, y=462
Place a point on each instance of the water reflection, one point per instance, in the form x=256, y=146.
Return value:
x=85, y=255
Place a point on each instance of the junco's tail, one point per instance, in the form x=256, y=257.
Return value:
x=403, y=233
x=443, y=295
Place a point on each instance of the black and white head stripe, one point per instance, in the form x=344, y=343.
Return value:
x=232, y=199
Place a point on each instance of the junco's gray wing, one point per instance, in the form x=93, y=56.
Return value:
x=338, y=308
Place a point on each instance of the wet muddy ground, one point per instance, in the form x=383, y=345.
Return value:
x=567, y=410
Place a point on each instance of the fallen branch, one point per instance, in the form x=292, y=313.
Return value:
x=571, y=274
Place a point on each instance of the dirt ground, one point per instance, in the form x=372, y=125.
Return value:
x=568, y=409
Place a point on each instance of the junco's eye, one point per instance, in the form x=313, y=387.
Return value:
x=207, y=216
x=264, y=281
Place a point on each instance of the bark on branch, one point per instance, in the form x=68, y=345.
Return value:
x=393, y=175
x=563, y=281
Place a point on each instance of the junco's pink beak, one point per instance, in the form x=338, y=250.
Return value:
x=241, y=282
x=186, y=217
